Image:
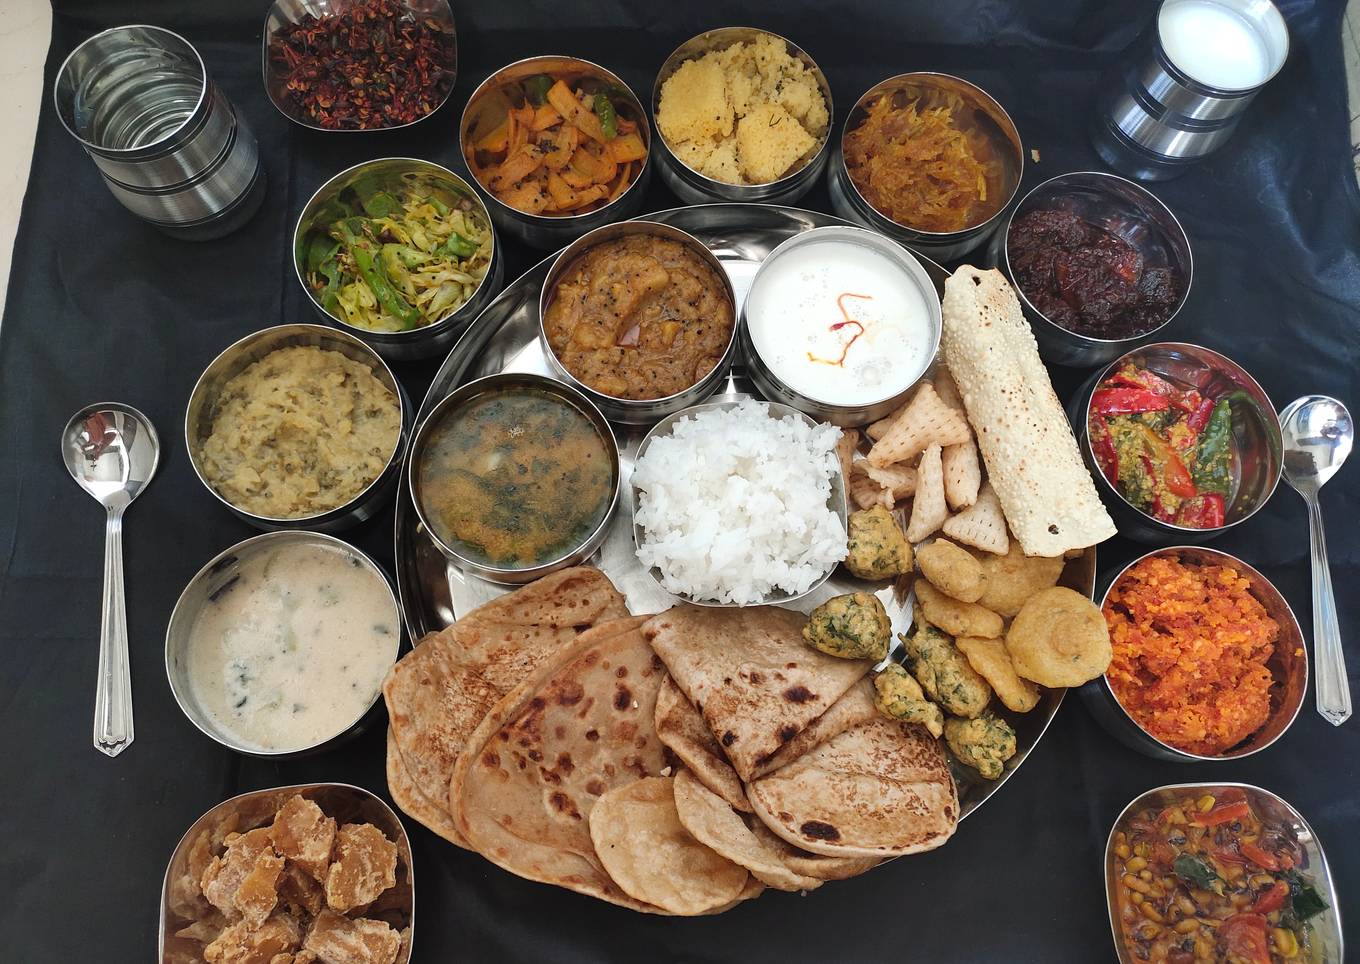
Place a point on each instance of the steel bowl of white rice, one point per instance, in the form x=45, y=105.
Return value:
x=739, y=503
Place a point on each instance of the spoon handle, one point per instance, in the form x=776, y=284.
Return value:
x=1333, y=690
x=113, y=695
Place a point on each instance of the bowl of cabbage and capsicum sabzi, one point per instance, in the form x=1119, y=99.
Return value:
x=1183, y=443
x=400, y=252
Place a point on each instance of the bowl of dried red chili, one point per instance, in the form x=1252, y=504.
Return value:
x=1219, y=872
x=1183, y=443
x=359, y=65
x=1099, y=264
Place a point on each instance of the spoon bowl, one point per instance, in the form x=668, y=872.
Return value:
x=1318, y=433
x=112, y=450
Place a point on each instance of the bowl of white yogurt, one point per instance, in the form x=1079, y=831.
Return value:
x=279, y=645
x=840, y=323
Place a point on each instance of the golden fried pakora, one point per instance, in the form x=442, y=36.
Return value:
x=954, y=617
x=993, y=663
x=1059, y=638
x=951, y=569
x=943, y=672
x=984, y=743
x=878, y=549
x=899, y=697
x=853, y=626
x=1009, y=580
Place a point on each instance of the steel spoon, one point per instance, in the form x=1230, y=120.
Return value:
x=112, y=451
x=1317, y=438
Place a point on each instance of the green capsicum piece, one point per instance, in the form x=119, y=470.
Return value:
x=536, y=89
x=609, y=118
x=1213, y=452
x=359, y=249
x=458, y=246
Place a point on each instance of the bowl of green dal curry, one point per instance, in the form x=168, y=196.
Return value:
x=515, y=476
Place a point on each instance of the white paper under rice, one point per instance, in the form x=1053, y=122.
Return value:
x=733, y=504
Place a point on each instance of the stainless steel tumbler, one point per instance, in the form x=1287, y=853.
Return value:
x=1183, y=95
x=170, y=145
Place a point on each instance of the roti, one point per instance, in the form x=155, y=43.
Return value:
x=757, y=684
x=580, y=726
x=879, y=790
x=413, y=801
x=855, y=706
x=682, y=728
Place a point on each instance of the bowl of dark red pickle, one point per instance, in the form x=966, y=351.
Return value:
x=1182, y=442
x=1099, y=264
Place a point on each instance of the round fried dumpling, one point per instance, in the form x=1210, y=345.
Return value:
x=853, y=626
x=1008, y=581
x=985, y=743
x=899, y=697
x=1059, y=638
x=944, y=672
x=951, y=569
x=878, y=548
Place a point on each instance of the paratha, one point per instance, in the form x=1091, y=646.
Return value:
x=579, y=726
x=880, y=789
x=682, y=728
x=413, y=801
x=757, y=684
x=855, y=706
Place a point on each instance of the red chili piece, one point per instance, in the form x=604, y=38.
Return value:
x=1272, y=899
x=1128, y=401
x=1202, y=512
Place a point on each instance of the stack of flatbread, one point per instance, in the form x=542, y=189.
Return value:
x=673, y=764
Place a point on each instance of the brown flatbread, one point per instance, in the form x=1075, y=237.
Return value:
x=682, y=728
x=855, y=706
x=817, y=866
x=579, y=726
x=438, y=693
x=413, y=801
x=878, y=790
x=757, y=684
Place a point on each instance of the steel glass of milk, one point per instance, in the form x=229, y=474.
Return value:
x=1196, y=72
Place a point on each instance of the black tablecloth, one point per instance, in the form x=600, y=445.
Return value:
x=103, y=307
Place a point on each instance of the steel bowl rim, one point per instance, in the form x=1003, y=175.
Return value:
x=266, y=36
x=1223, y=364
x=466, y=393
x=869, y=238
x=1252, y=574
x=251, y=545
x=712, y=186
x=775, y=410
x=602, y=72
x=418, y=165
x=1183, y=76
x=603, y=234
x=301, y=522
x=982, y=228
x=1150, y=203
x=1325, y=868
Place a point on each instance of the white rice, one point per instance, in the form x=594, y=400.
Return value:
x=733, y=505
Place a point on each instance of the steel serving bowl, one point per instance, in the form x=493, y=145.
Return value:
x=849, y=203
x=286, y=13
x=1328, y=945
x=1288, y=665
x=217, y=577
x=1256, y=433
x=1142, y=220
x=695, y=188
x=236, y=358
x=428, y=340
x=776, y=388
x=180, y=904
x=496, y=383
x=836, y=501
x=486, y=109
x=632, y=411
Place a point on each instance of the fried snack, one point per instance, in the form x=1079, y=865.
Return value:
x=717, y=826
x=925, y=420
x=900, y=697
x=992, y=662
x=962, y=474
x=984, y=743
x=876, y=430
x=304, y=835
x=944, y=673
x=982, y=525
x=1009, y=580
x=644, y=847
x=928, y=509
x=339, y=940
x=877, y=547
x=954, y=617
x=365, y=865
x=852, y=626
x=866, y=492
x=952, y=570
x=681, y=727
x=1059, y=638
x=899, y=480
x=947, y=388
x=846, y=446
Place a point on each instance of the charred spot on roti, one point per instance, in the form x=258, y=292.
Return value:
x=491, y=758
x=592, y=734
x=787, y=732
x=624, y=731
x=505, y=736
x=621, y=672
x=728, y=738
x=564, y=762
x=623, y=697
x=640, y=742
x=818, y=830
x=536, y=756
x=756, y=676
x=570, y=693
x=799, y=694
x=563, y=804
x=595, y=787
x=549, y=776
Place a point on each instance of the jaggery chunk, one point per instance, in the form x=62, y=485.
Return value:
x=259, y=894
x=242, y=944
x=301, y=957
x=300, y=891
x=364, y=865
x=339, y=940
x=304, y=835
x=225, y=874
